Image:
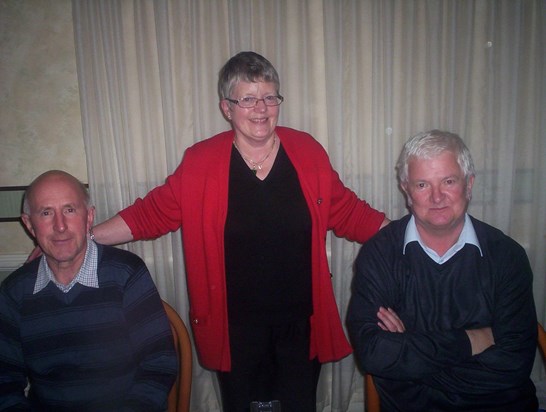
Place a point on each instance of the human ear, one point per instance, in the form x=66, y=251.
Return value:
x=469, y=185
x=226, y=109
x=28, y=223
x=90, y=217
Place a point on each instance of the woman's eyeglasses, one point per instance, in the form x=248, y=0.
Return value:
x=248, y=102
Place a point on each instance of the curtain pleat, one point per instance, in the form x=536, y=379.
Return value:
x=360, y=75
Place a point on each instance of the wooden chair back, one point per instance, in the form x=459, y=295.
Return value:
x=179, y=396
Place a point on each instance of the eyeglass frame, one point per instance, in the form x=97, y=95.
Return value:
x=237, y=101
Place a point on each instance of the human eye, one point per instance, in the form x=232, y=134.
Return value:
x=451, y=181
x=248, y=101
x=271, y=99
x=70, y=210
x=45, y=213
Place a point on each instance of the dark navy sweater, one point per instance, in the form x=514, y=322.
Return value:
x=430, y=367
x=91, y=349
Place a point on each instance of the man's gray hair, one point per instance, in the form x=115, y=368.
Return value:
x=427, y=145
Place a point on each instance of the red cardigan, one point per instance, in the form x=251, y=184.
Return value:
x=195, y=199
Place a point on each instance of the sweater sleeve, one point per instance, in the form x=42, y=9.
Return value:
x=158, y=213
x=197, y=190
x=12, y=367
x=340, y=209
x=351, y=217
x=152, y=344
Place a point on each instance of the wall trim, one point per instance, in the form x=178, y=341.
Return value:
x=8, y=263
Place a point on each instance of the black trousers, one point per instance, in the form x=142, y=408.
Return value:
x=270, y=363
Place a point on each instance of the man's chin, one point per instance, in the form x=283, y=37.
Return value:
x=442, y=225
x=61, y=257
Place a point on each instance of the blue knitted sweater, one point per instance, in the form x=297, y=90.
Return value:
x=91, y=349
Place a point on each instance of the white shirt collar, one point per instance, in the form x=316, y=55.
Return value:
x=87, y=275
x=468, y=235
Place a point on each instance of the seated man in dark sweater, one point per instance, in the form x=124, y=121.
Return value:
x=83, y=324
x=442, y=313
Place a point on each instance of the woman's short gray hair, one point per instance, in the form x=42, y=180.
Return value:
x=427, y=145
x=246, y=66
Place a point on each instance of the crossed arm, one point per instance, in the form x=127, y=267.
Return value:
x=480, y=339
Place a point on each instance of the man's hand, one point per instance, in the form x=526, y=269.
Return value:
x=389, y=320
x=480, y=339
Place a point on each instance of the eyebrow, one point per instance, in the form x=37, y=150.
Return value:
x=66, y=205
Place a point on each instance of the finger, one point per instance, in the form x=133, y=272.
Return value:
x=388, y=321
x=382, y=326
x=391, y=320
x=401, y=327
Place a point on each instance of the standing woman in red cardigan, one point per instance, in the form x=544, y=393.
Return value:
x=254, y=204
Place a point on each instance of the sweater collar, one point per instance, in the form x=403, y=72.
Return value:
x=87, y=275
x=468, y=235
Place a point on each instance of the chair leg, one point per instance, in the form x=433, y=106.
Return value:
x=371, y=395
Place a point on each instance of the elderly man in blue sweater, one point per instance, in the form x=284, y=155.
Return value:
x=442, y=312
x=84, y=324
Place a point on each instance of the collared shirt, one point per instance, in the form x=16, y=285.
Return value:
x=87, y=275
x=468, y=235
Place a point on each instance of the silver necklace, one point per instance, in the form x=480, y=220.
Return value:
x=255, y=166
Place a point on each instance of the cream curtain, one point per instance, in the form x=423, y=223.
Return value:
x=361, y=76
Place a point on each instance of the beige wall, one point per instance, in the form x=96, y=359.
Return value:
x=40, y=122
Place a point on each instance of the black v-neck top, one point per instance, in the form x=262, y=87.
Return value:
x=267, y=244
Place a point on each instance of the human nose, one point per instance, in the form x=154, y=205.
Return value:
x=59, y=223
x=260, y=107
x=437, y=195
